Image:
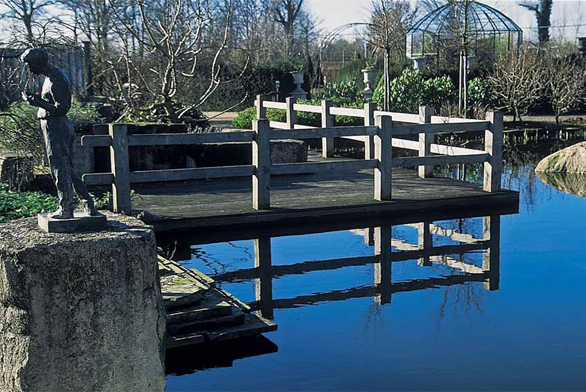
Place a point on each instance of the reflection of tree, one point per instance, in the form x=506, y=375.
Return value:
x=465, y=298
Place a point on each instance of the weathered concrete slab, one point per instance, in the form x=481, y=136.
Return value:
x=81, y=222
x=82, y=311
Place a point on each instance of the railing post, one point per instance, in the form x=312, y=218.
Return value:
x=493, y=145
x=291, y=113
x=264, y=282
x=425, y=140
x=425, y=242
x=261, y=160
x=327, y=121
x=261, y=111
x=491, y=259
x=369, y=109
x=384, y=155
x=384, y=266
x=120, y=169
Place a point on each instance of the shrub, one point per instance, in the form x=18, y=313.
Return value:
x=14, y=205
x=411, y=89
x=20, y=128
x=438, y=91
x=479, y=92
x=343, y=93
x=244, y=118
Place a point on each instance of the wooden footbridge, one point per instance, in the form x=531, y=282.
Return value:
x=331, y=188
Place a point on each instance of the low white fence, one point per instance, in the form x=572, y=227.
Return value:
x=378, y=133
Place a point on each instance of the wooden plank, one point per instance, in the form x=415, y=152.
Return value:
x=327, y=121
x=400, y=117
x=339, y=197
x=261, y=111
x=203, y=173
x=369, y=120
x=190, y=138
x=347, y=112
x=322, y=132
x=454, y=151
x=275, y=105
x=440, y=128
x=425, y=141
x=452, y=120
x=406, y=144
x=279, y=125
x=300, y=126
x=384, y=155
x=439, y=160
x=493, y=145
x=120, y=169
x=290, y=112
x=96, y=141
x=98, y=179
x=307, y=108
x=253, y=325
x=323, y=167
x=261, y=160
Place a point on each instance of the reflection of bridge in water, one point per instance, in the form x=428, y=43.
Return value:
x=387, y=251
x=435, y=245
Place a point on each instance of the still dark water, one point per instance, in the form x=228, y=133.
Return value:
x=429, y=323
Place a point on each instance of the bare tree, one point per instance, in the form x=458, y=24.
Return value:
x=542, y=10
x=29, y=14
x=286, y=14
x=565, y=84
x=390, y=21
x=172, y=36
x=518, y=81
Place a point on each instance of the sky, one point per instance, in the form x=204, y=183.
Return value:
x=334, y=13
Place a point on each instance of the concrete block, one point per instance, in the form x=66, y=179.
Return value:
x=80, y=312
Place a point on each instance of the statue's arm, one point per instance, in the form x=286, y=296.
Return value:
x=61, y=97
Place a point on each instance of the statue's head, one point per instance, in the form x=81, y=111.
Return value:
x=36, y=59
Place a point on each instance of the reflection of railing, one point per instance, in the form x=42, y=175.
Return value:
x=377, y=133
x=425, y=252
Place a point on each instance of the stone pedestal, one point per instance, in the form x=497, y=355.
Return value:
x=79, y=223
x=80, y=312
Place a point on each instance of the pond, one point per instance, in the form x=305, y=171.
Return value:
x=491, y=303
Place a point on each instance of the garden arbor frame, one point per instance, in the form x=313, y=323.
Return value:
x=468, y=27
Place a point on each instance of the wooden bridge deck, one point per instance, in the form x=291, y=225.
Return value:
x=303, y=198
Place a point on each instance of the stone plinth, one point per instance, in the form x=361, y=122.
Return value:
x=80, y=312
x=80, y=222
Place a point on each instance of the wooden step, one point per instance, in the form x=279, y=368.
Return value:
x=253, y=325
x=216, y=323
x=213, y=305
x=179, y=290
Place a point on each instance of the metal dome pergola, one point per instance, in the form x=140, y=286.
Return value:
x=467, y=27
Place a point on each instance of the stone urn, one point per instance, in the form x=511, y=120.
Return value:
x=369, y=74
x=298, y=81
x=418, y=62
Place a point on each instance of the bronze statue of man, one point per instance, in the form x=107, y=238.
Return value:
x=53, y=104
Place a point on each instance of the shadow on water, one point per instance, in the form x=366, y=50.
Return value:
x=182, y=361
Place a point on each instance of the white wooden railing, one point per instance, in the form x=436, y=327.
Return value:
x=378, y=133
